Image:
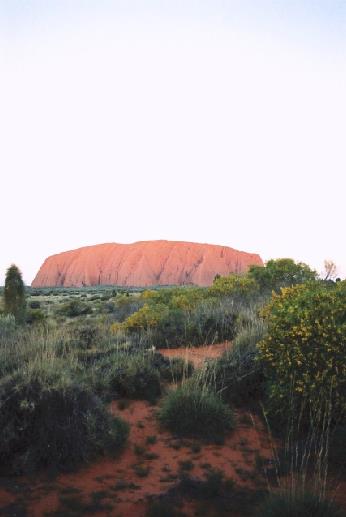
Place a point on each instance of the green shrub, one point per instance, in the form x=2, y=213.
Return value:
x=304, y=352
x=297, y=505
x=193, y=411
x=239, y=287
x=75, y=308
x=280, y=273
x=125, y=375
x=48, y=421
x=136, y=382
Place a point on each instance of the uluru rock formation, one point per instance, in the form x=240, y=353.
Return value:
x=143, y=264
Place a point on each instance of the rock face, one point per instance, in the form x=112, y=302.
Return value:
x=143, y=264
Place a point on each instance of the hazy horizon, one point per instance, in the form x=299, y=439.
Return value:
x=214, y=122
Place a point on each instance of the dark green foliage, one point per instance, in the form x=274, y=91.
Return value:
x=135, y=375
x=47, y=420
x=193, y=411
x=298, y=505
x=75, y=308
x=281, y=273
x=122, y=375
x=14, y=294
x=135, y=382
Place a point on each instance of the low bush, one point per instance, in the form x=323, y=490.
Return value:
x=192, y=411
x=285, y=504
x=48, y=421
x=136, y=382
x=124, y=375
x=75, y=308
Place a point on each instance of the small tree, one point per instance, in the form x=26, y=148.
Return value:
x=14, y=294
x=281, y=273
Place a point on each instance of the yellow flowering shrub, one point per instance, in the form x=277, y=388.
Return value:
x=304, y=351
x=146, y=317
x=240, y=285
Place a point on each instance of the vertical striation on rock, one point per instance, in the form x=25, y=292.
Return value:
x=143, y=264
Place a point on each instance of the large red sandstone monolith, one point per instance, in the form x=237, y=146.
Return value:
x=143, y=264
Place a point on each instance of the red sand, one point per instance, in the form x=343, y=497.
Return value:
x=197, y=355
x=236, y=458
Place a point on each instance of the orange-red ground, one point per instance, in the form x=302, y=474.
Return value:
x=144, y=468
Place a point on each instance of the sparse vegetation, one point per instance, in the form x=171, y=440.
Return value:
x=79, y=355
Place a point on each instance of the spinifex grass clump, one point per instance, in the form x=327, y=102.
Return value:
x=195, y=411
x=48, y=421
x=237, y=374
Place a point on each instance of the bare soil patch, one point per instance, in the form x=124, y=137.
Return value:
x=152, y=462
x=197, y=355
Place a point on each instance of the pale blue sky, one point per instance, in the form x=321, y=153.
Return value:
x=328, y=16
x=209, y=121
